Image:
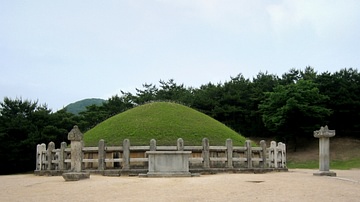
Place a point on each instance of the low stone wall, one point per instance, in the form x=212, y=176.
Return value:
x=132, y=160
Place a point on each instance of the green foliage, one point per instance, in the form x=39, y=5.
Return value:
x=23, y=125
x=174, y=92
x=262, y=83
x=343, y=89
x=163, y=121
x=295, y=110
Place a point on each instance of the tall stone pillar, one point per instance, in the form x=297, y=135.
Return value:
x=75, y=174
x=324, y=135
x=75, y=136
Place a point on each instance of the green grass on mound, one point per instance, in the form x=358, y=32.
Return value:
x=163, y=121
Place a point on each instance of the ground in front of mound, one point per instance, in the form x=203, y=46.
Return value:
x=295, y=185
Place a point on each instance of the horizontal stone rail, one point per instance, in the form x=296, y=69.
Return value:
x=127, y=159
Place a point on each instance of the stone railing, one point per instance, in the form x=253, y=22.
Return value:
x=132, y=160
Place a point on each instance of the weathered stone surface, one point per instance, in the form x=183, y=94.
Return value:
x=50, y=155
x=101, y=155
x=75, y=176
x=325, y=173
x=62, y=156
x=75, y=134
x=168, y=163
x=126, y=155
x=248, y=153
x=229, y=153
x=76, y=157
x=263, y=163
x=206, y=153
x=324, y=135
x=324, y=132
x=152, y=145
x=180, y=144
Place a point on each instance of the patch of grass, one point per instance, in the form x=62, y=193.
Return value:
x=344, y=154
x=334, y=164
x=345, y=164
x=303, y=165
x=163, y=121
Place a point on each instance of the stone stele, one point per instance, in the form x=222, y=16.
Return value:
x=75, y=136
x=324, y=135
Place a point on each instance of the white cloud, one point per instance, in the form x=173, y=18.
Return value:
x=230, y=15
x=325, y=18
x=102, y=46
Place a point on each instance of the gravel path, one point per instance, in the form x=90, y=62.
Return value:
x=295, y=185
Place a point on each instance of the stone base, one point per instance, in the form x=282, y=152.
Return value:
x=168, y=174
x=325, y=173
x=75, y=176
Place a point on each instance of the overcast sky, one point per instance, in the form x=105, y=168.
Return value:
x=59, y=52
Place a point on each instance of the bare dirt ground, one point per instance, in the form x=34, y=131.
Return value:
x=295, y=185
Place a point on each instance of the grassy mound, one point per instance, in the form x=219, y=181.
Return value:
x=163, y=121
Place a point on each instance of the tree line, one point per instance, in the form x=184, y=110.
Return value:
x=289, y=108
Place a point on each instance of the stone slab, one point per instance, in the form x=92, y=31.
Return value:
x=75, y=176
x=170, y=175
x=168, y=163
x=325, y=173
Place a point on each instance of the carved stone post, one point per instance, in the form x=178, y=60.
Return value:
x=50, y=155
x=62, y=156
x=248, y=153
x=101, y=155
x=152, y=145
x=206, y=153
x=180, y=144
x=126, y=155
x=75, y=136
x=263, y=163
x=229, y=153
x=40, y=157
x=324, y=135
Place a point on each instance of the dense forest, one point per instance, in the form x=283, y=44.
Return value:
x=288, y=108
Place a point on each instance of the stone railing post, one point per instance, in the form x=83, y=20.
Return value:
x=101, y=155
x=50, y=155
x=263, y=154
x=206, y=153
x=248, y=153
x=324, y=135
x=282, y=149
x=229, y=153
x=63, y=146
x=273, y=155
x=40, y=157
x=152, y=145
x=126, y=155
x=75, y=136
x=180, y=144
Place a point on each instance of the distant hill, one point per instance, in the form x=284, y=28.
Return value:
x=81, y=105
x=163, y=121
